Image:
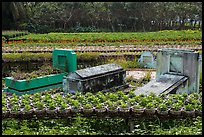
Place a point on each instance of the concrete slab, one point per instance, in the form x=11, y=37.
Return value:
x=166, y=82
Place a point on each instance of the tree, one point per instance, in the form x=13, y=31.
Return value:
x=13, y=13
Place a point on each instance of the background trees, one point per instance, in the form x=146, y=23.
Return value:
x=101, y=16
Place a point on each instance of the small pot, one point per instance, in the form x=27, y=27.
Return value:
x=198, y=112
x=40, y=113
x=13, y=114
x=87, y=111
x=64, y=112
x=163, y=113
x=75, y=110
x=124, y=112
x=5, y=114
x=102, y=112
x=188, y=113
x=51, y=113
x=150, y=111
x=138, y=111
x=112, y=112
x=175, y=112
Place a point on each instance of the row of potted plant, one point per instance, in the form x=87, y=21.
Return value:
x=109, y=102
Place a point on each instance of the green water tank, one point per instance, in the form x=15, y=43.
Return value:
x=64, y=59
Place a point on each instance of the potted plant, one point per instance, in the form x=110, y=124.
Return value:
x=52, y=109
x=131, y=94
x=137, y=109
x=112, y=108
x=64, y=109
x=124, y=109
x=162, y=109
x=39, y=108
x=198, y=110
x=137, y=99
x=75, y=106
x=113, y=97
x=150, y=108
x=87, y=108
x=175, y=109
x=144, y=101
x=5, y=112
x=14, y=111
x=188, y=110
x=100, y=109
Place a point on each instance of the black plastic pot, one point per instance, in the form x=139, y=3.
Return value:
x=112, y=112
x=162, y=113
x=138, y=111
x=101, y=112
x=87, y=112
x=64, y=113
x=40, y=113
x=150, y=111
x=5, y=114
x=51, y=113
x=13, y=114
x=175, y=113
x=198, y=112
x=188, y=113
x=124, y=112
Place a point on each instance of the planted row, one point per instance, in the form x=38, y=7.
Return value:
x=183, y=35
x=13, y=33
x=103, y=103
x=29, y=56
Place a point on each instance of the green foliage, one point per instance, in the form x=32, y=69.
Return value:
x=44, y=70
x=91, y=125
x=94, y=126
x=139, y=38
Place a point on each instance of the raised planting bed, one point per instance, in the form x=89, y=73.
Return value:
x=24, y=83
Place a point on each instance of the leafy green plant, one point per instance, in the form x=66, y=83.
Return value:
x=144, y=101
x=99, y=106
x=27, y=107
x=162, y=107
x=137, y=106
x=75, y=104
x=131, y=94
x=87, y=106
x=63, y=105
x=188, y=107
x=111, y=105
x=176, y=106
x=15, y=108
x=124, y=105
x=150, y=105
x=132, y=101
x=113, y=97
x=39, y=105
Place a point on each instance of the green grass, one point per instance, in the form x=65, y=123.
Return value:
x=94, y=126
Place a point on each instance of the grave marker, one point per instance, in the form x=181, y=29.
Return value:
x=147, y=60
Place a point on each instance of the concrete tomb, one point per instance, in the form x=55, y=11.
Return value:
x=147, y=60
x=177, y=71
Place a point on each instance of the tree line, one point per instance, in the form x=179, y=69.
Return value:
x=42, y=17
